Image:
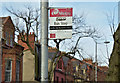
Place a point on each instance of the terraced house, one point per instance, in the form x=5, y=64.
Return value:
x=12, y=56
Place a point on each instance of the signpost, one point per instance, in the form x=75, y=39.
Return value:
x=44, y=42
x=60, y=23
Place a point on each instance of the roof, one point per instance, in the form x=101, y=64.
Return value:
x=4, y=19
x=19, y=45
x=103, y=68
x=51, y=55
x=75, y=62
x=65, y=60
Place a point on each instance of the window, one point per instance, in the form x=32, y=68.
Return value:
x=11, y=40
x=82, y=72
x=74, y=69
x=7, y=38
x=8, y=70
x=17, y=70
x=61, y=80
x=57, y=79
x=66, y=80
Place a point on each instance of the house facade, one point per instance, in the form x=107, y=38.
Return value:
x=12, y=53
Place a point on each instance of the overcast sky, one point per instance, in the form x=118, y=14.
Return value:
x=95, y=13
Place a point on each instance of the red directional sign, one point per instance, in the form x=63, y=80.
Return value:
x=58, y=12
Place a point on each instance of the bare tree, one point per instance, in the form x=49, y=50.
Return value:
x=30, y=21
x=25, y=21
x=111, y=17
x=80, y=30
x=114, y=63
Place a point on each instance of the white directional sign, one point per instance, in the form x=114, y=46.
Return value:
x=61, y=23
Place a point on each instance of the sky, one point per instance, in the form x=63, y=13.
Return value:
x=95, y=14
x=60, y=0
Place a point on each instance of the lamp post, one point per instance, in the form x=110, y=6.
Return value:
x=95, y=61
x=106, y=42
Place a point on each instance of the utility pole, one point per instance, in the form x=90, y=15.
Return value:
x=96, y=61
x=44, y=40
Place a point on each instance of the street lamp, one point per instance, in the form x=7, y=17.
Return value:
x=106, y=42
x=95, y=61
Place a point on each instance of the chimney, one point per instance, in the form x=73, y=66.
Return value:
x=31, y=41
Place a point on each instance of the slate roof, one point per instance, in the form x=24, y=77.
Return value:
x=65, y=60
x=75, y=62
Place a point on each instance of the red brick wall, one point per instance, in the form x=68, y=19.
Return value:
x=69, y=78
x=8, y=27
x=101, y=76
x=69, y=67
x=69, y=70
x=60, y=75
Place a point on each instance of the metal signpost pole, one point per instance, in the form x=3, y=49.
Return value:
x=44, y=40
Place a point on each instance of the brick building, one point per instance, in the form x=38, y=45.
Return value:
x=12, y=56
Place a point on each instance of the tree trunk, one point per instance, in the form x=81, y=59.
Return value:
x=114, y=65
